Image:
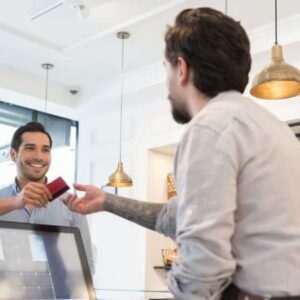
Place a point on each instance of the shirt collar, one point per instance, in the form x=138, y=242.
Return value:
x=223, y=96
x=16, y=187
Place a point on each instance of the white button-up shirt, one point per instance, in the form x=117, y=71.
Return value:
x=237, y=215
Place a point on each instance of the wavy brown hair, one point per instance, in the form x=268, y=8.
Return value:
x=29, y=127
x=215, y=47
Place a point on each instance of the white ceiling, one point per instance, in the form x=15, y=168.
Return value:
x=86, y=51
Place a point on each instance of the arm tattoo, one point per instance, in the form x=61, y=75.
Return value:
x=139, y=212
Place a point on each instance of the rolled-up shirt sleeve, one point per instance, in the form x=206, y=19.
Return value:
x=166, y=219
x=206, y=178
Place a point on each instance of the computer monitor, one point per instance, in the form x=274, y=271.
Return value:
x=43, y=262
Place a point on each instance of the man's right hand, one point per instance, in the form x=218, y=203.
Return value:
x=91, y=202
x=33, y=194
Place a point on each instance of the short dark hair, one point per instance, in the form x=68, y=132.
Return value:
x=215, y=47
x=29, y=127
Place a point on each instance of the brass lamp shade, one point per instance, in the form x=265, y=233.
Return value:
x=278, y=80
x=119, y=178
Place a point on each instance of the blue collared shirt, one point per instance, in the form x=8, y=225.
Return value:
x=56, y=213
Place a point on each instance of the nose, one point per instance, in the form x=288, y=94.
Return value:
x=40, y=155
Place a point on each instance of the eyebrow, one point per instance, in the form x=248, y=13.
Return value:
x=34, y=145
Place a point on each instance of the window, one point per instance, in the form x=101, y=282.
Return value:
x=63, y=132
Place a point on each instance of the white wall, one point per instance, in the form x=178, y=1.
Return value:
x=159, y=165
x=33, y=87
x=37, y=103
x=121, y=245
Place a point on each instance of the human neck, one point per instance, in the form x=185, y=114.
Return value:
x=196, y=102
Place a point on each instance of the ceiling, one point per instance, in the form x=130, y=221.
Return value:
x=85, y=51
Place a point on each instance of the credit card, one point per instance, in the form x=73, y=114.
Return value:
x=57, y=187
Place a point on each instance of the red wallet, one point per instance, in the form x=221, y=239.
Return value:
x=57, y=187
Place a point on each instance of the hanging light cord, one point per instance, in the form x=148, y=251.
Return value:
x=46, y=90
x=121, y=100
x=276, y=42
x=225, y=7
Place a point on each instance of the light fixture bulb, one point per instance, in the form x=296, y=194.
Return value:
x=277, y=80
x=119, y=178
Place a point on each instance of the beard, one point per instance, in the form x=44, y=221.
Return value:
x=180, y=116
x=33, y=177
x=30, y=175
x=179, y=113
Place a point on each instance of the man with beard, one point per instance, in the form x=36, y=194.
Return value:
x=236, y=218
x=26, y=200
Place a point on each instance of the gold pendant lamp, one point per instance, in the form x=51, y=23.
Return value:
x=119, y=178
x=277, y=80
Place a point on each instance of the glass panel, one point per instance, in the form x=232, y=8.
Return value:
x=63, y=132
x=59, y=128
x=13, y=115
x=34, y=264
x=7, y=169
x=63, y=160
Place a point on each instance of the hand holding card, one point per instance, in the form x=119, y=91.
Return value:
x=57, y=187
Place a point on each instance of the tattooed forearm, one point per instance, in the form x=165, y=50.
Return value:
x=142, y=213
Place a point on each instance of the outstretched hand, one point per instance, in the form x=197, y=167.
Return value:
x=91, y=202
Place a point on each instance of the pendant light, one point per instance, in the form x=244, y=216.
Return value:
x=119, y=178
x=277, y=80
x=47, y=67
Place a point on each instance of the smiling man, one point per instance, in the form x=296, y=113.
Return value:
x=26, y=200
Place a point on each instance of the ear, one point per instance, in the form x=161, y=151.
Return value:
x=13, y=154
x=184, y=70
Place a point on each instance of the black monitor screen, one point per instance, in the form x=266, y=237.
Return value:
x=43, y=262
